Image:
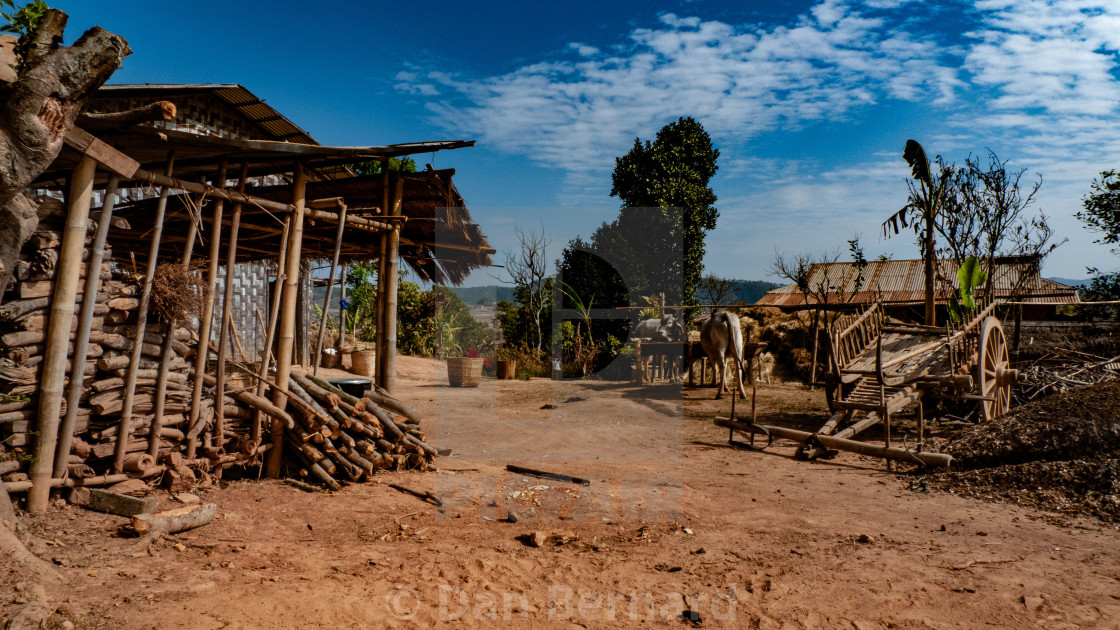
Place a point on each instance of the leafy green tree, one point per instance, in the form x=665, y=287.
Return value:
x=1102, y=209
x=592, y=278
x=361, y=293
x=1101, y=214
x=373, y=167
x=673, y=171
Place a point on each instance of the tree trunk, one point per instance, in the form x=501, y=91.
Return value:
x=36, y=113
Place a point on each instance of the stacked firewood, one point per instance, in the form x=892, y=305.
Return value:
x=24, y=314
x=339, y=436
x=330, y=436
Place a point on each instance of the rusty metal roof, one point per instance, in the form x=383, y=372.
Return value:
x=904, y=281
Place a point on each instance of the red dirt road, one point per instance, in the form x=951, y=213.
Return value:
x=675, y=528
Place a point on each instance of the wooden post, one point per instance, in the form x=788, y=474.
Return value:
x=288, y=318
x=81, y=343
x=330, y=289
x=125, y=429
x=206, y=319
x=270, y=330
x=223, y=334
x=388, y=359
x=58, y=333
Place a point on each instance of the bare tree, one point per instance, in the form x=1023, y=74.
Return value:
x=716, y=289
x=822, y=290
x=991, y=219
x=528, y=271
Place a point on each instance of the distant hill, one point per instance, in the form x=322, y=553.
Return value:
x=751, y=291
x=490, y=294
x=1072, y=282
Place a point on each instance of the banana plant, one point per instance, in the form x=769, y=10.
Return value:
x=969, y=277
x=926, y=200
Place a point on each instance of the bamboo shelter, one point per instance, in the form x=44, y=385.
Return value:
x=102, y=380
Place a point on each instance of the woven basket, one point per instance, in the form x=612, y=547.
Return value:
x=363, y=362
x=464, y=371
x=507, y=369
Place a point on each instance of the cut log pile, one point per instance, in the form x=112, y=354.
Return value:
x=330, y=437
x=339, y=436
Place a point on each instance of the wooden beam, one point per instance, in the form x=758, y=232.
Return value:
x=158, y=179
x=333, y=217
x=895, y=454
x=58, y=333
x=105, y=155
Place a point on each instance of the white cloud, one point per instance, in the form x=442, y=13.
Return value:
x=738, y=80
x=1037, y=80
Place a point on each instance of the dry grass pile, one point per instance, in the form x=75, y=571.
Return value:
x=176, y=293
x=1059, y=453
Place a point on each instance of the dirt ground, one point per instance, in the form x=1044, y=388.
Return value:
x=675, y=527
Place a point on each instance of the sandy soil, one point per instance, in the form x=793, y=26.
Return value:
x=676, y=527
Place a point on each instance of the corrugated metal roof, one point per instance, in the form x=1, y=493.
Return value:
x=904, y=281
x=236, y=96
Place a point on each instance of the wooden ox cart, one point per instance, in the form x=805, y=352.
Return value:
x=878, y=367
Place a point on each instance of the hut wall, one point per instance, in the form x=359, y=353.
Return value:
x=252, y=291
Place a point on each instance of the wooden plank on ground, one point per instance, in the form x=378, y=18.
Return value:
x=120, y=504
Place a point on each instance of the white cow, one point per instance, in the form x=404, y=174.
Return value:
x=721, y=339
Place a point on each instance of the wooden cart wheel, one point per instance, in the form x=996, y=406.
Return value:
x=995, y=373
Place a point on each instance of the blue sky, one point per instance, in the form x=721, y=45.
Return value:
x=810, y=103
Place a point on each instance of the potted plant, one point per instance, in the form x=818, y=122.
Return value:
x=507, y=363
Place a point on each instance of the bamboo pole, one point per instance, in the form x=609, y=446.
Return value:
x=223, y=334
x=388, y=358
x=205, y=322
x=165, y=356
x=341, y=314
x=81, y=343
x=288, y=317
x=382, y=273
x=58, y=333
x=218, y=192
x=330, y=289
x=141, y=324
x=270, y=330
